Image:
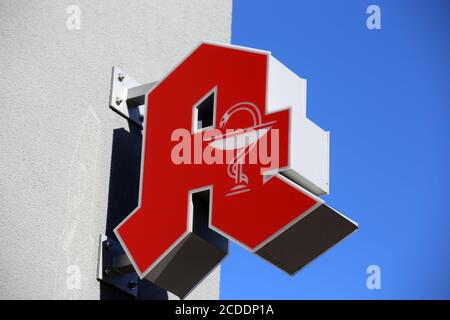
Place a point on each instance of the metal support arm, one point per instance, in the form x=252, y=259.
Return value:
x=128, y=96
x=114, y=267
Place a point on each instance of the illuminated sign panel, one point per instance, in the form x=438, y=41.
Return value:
x=228, y=154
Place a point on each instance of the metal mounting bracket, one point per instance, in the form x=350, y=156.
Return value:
x=114, y=267
x=127, y=96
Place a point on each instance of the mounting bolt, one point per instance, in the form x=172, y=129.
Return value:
x=118, y=100
x=106, y=272
x=120, y=77
x=108, y=245
x=132, y=284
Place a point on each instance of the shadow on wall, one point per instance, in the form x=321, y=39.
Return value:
x=123, y=199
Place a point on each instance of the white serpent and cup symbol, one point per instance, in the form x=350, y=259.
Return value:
x=243, y=141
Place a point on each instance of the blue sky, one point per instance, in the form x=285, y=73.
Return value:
x=385, y=97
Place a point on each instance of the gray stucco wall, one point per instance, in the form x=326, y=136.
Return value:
x=57, y=131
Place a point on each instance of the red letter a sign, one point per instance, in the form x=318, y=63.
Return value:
x=229, y=155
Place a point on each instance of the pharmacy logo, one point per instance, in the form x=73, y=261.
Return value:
x=229, y=154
